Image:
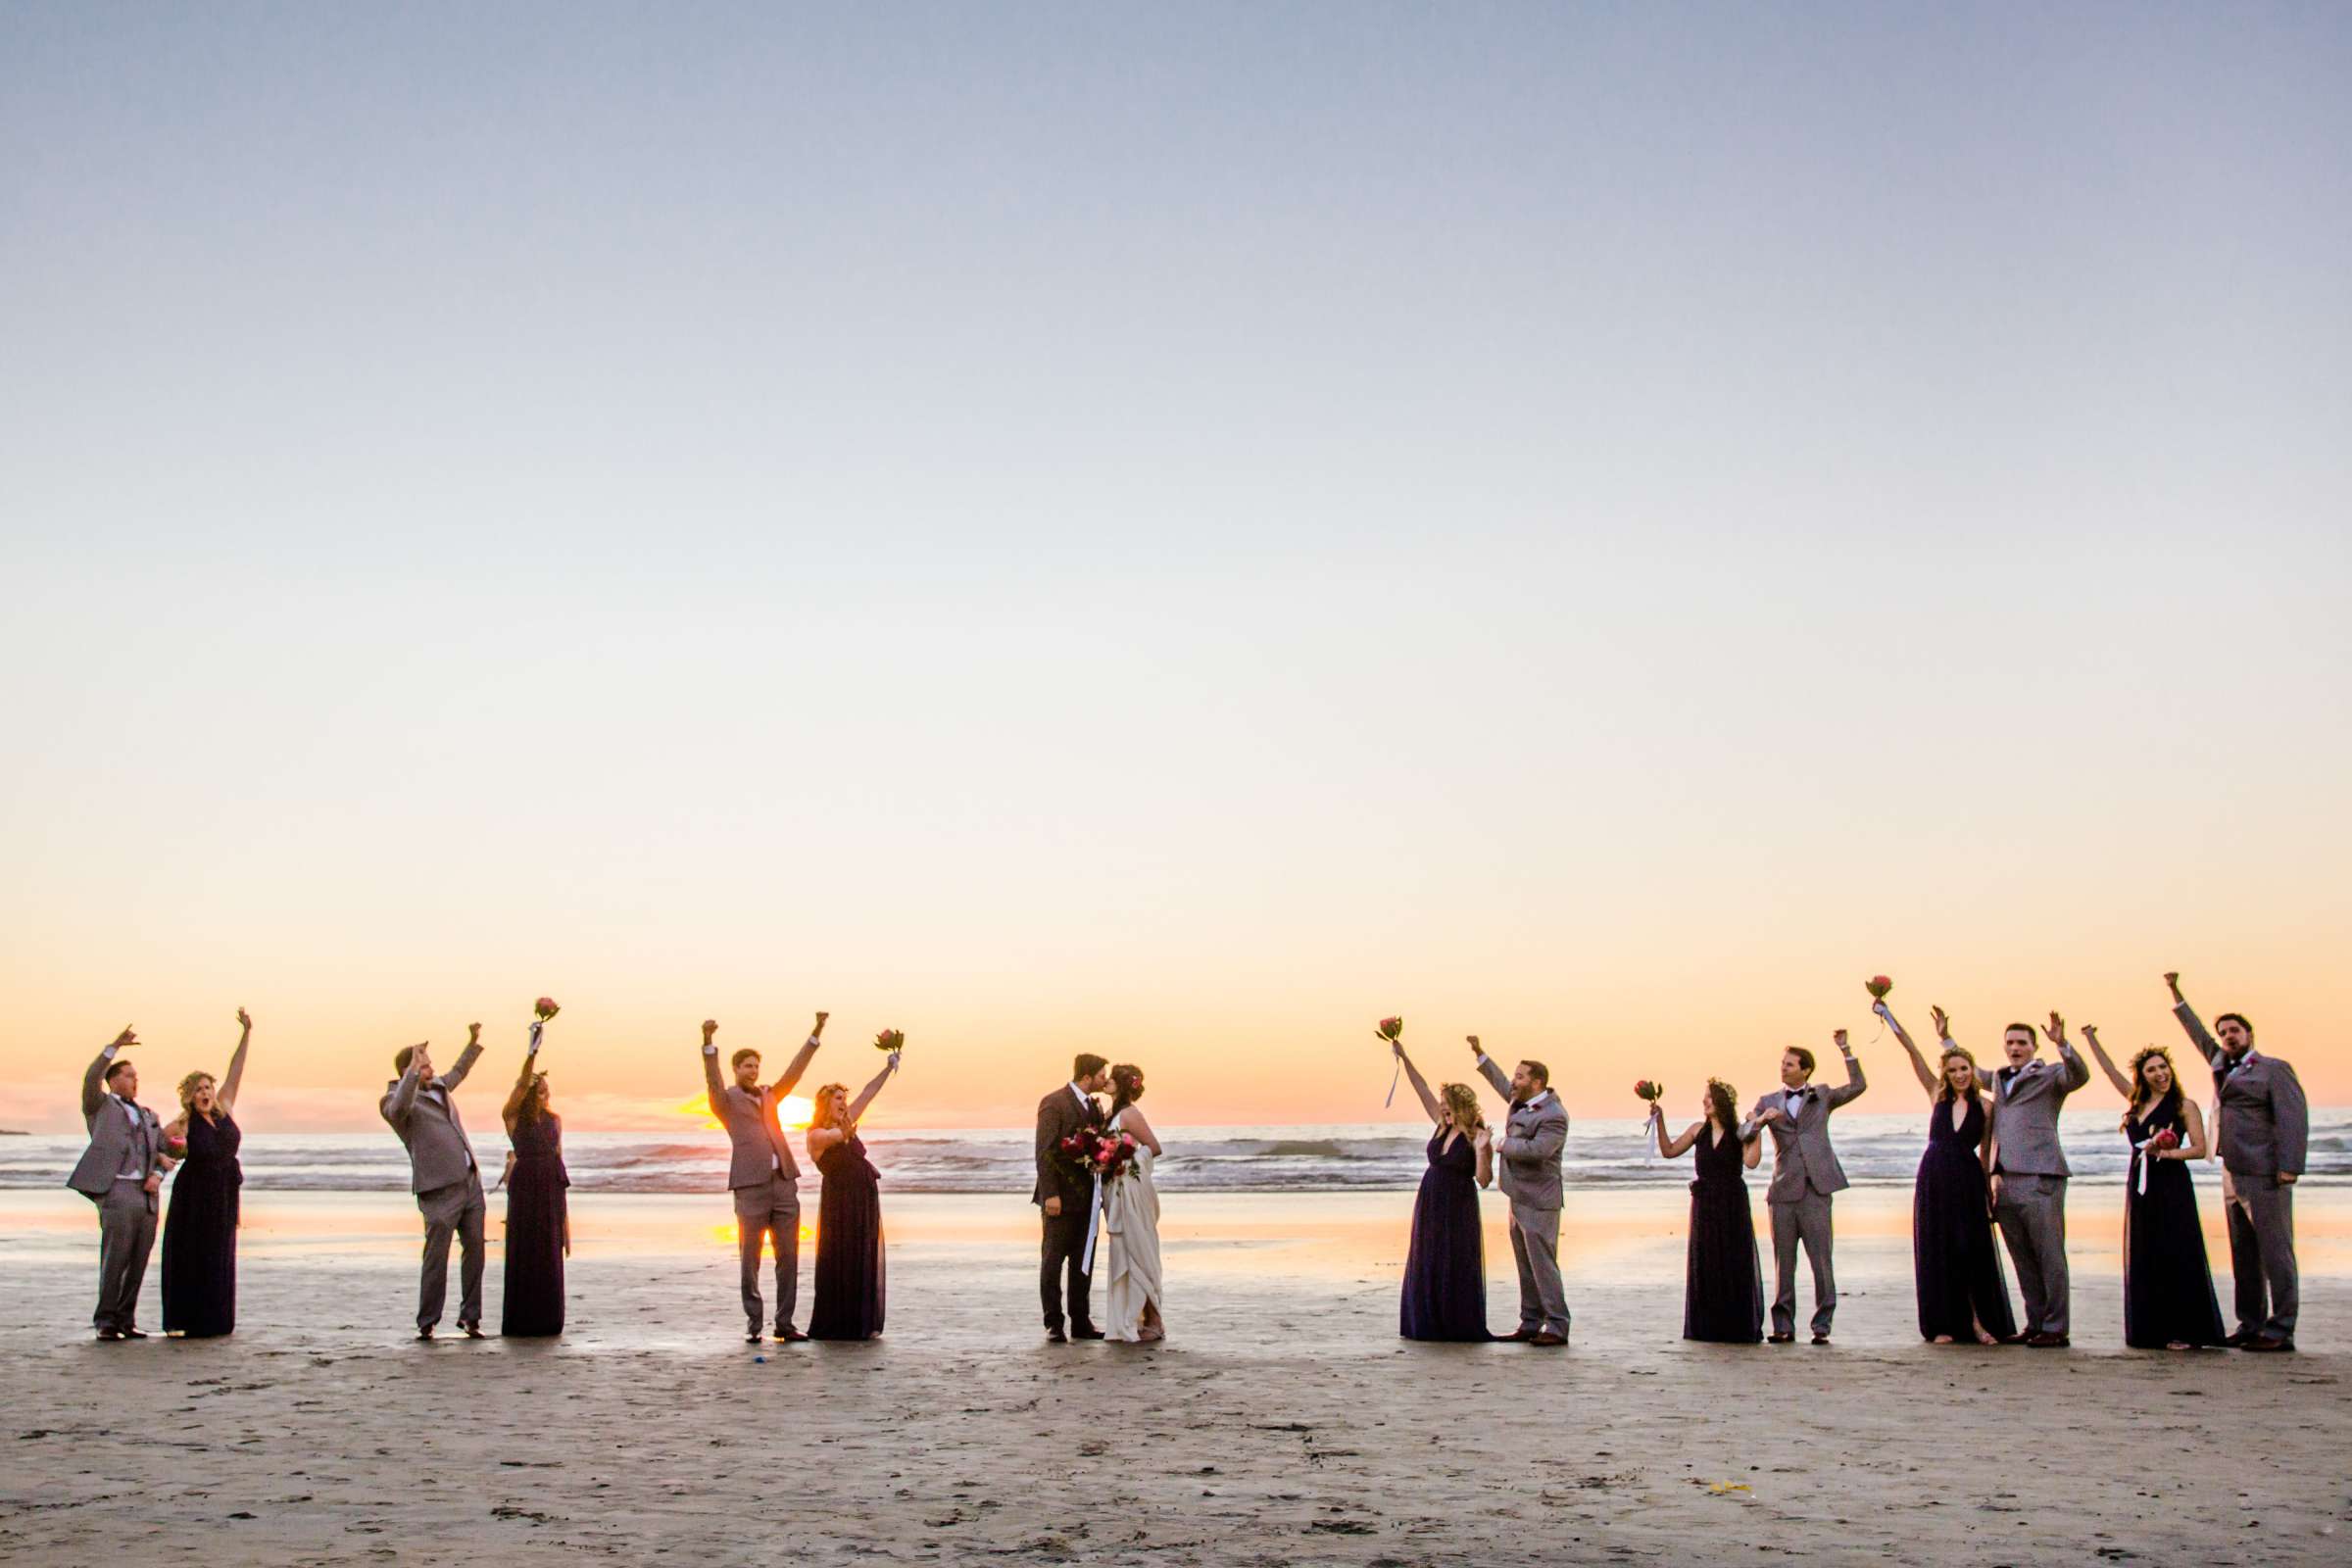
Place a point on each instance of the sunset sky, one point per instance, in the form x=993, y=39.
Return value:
x=1171, y=531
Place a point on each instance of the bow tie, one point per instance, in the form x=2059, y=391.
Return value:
x=2008, y=1073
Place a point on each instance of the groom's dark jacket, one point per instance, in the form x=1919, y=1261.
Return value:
x=1058, y=1115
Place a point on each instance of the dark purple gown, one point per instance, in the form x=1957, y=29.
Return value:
x=1957, y=1267
x=200, y=1233
x=1445, y=1266
x=850, y=1283
x=537, y=1213
x=2168, y=1283
x=1722, y=1278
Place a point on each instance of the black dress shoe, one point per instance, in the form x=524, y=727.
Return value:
x=132, y=1334
x=1820, y=1339
x=425, y=1333
x=1086, y=1332
x=1054, y=1336
x=2013, y=1339
x=788, y=1335
x=1780, y=1339
x=1546, y=1338
x=472, y=1331
x=2269, y=1344
x=751, y=1338
x=1518, y=1335
x=108, y=1336
x=2241, y=1338
x=2049, y=1342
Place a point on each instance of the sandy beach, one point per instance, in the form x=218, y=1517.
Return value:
x=1284, y=1423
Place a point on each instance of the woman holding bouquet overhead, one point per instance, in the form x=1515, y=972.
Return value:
x=1962, y=1295
x=849, y=1217
x=538, y=1206
x=1723, y=1279
x=2167, y=1281
x=200, y=1233
x=1445, y=1266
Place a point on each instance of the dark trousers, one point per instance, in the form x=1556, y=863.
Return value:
x=1065, y=1244
x=453, y=1211
x=125, y=1237
x=2262, y=1255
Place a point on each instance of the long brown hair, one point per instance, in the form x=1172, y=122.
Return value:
x=2141, y=1094
x=823, y=1116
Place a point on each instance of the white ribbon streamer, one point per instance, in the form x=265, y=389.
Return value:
x=1094, y=1222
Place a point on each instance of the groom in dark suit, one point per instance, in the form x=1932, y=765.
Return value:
x=1065, y=1199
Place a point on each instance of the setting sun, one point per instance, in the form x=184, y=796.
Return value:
x=794, y=1110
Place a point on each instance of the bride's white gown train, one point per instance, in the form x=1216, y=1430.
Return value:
x=1131, y=1236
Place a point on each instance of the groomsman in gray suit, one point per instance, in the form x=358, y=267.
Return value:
x=2030, y=1172
x=122, y=1173
x=2266, y=1128
x=761, y=1174
x=1529, y=1163
x=444, y=1177
x=1805, y=1175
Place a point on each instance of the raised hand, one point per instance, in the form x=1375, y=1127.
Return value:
x=1838, y=1037
x=2172, y=980
x=1475, y=1050
x=473, y=1033
x=125, y=1040
x=1944, y=1023
x=244, y=1019
x=709, y=1028
x=819, y=1031
x=2056, y=1030
x=422, y=1056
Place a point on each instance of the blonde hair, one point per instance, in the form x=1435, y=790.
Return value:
x=1462, y=1101
x=1943, y=1073
x=823, y=1116
x=187, y=1088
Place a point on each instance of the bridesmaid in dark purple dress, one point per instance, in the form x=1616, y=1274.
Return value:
x=538, y=1210
x=1722, y=1277
x=1445, y=1266
x=2167, y=1281
x=850, y=1274
x=1962, y=1293
x=200, y=1233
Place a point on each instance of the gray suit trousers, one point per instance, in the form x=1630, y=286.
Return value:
x=1807, y=1220
x=455, y=1210
x=126, y=1238
x=2031, y=1215
x=1536, y=1245
x=2262, y=1255
x=772, y=1213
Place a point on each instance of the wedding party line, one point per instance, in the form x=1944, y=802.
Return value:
x=1993, y=1166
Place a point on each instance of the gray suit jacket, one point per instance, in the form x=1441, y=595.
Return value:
x=2024, y=1114
x=1801, y=1156
x=2266, y=1125
x=760, y=1147
x=1528, y=1153
x=426, y=1119
x=113, y=1142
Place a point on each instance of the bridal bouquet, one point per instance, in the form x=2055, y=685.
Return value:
x=1651, y=1092
x=545, y=1008
x=1098, y=1154
x=1878, y=985
x=890, y=1040
x=1390, y=1030
x=2164, y=1140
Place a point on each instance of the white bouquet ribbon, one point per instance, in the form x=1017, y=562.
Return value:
x=1094, y=1222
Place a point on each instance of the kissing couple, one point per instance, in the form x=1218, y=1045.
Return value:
x=1094, y=1183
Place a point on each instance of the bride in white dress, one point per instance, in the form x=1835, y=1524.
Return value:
x=1131, y=1224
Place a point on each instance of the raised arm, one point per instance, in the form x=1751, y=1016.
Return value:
x=711, y=1083
x=867, y=1096
x=2073, y=1071
x=465, y=1059
x=1918, y=1061
x=1673, y=1149
x=1852, y=1089
x=1429, y=1101
x=228, y=1097
x=521, y=1092
x=2207, y=1047
x=801, y=1059
x=1498, y=1080
x=93, y=1082
x=403, y=1098
x=2115, y=1075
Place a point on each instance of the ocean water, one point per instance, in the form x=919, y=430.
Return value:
x=1875, y=1149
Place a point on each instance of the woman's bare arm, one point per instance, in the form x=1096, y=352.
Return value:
x=1919, y=1060
x=2114, y=1076
x=228, y=1097
x=1132, y=1120
x=1429, y=1101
